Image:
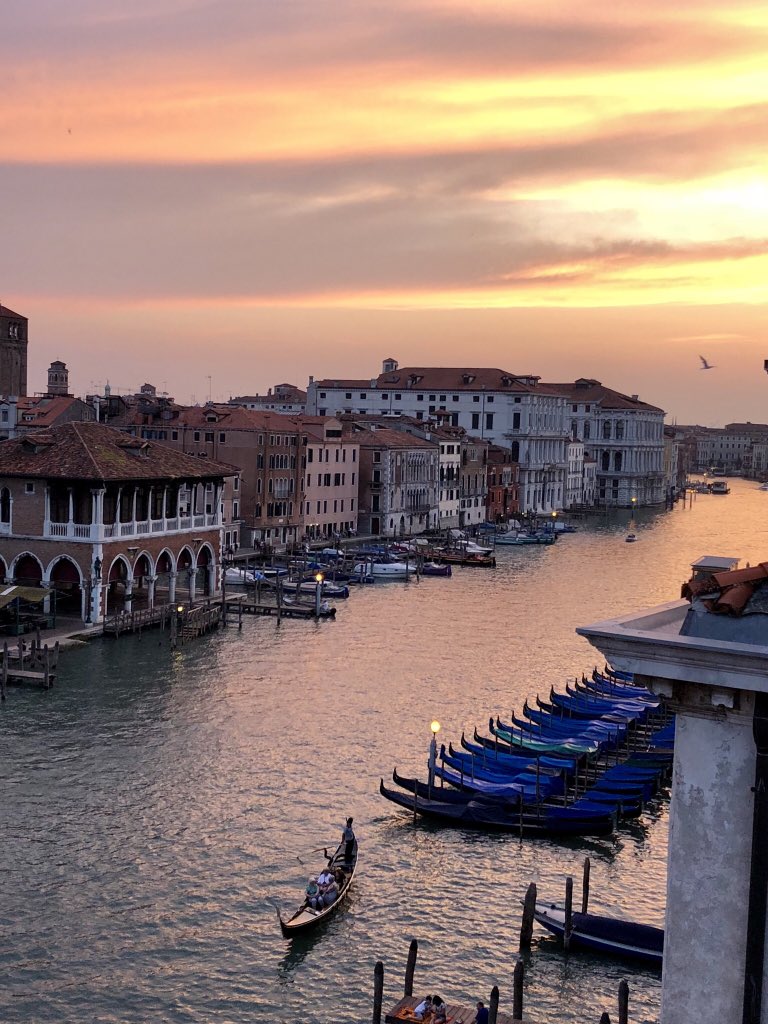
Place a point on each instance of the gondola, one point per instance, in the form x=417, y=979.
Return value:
x=305, y=917
x=625, y=939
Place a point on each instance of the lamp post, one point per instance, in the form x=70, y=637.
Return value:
x=435, y=728
x=318, y=593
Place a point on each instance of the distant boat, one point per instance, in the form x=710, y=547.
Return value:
x=631, y=538
x=763, y=487
x=385, y=570
x=432, y=569
x=719, y=487
x=625, y=939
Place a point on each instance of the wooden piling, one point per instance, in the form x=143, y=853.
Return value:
x=568, y=913
x=47, y=667
x=605, y=1019
x=585, y=886
x=526, y=929
x=410, y=967
x=378, y=991
x=493, y=1007
x=517, y=991
x=4, y=676
x=623, y=1002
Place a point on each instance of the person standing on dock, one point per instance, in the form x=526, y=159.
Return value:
x=348, y=838
x=481, y=1017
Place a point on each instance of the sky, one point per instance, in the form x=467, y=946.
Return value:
x=220, y=195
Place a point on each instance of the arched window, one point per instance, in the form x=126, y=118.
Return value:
x=605, y=460
x=5, y=505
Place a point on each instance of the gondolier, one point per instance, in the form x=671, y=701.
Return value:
x=348, y=838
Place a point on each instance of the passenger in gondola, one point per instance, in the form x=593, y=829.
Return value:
x=312, y=892
x=330, y=892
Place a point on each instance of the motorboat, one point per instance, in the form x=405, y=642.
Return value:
x=631, y=538
x=384, y=570
x=518, y=538
x=241, y=577
x=719, y=487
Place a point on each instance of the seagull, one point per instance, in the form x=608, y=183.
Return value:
x=705, y=365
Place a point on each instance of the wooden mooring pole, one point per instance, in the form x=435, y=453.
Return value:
x=493, y=1008
x=526, y=929
x=585, y=887
x=378, y=991
x=517, y=991
x=568, y=913
x=605, y=1019
x=410, y=968
x=4, y=676
x=623, y=1002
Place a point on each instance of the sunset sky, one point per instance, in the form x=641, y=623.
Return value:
x=259, y=190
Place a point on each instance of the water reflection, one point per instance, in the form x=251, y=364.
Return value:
x=154, y=802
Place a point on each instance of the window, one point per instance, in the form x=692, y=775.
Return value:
x=420, y=414
x=174, y=435
x=327, y=479
x=209, y=435
x=354, y=454
x=475, y=398
x=363, y=394
x=236, y=484
x=5, y=505
x=222, y=438
x=377, y=456
x=586, y=432
x=196, y=435
x=574, y=408
x=353, y=478
x=29, y=487
x=322, y=394
x=321, y=412
x=310, y=454
x=432, y=398
x=455, y=398
x=587, y=408
x=336, y=481
x=337, y=454
x=489, y=421
x=419, y=398
x=490, y=398
x=443, y=398
x=475, y=420
x=398, y=397
x=348, y=395
x=235, y=509
x=606, y=429
x=515, y=420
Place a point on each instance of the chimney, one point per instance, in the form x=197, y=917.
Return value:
x=634, y=398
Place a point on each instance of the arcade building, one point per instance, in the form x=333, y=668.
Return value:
x=108, y=521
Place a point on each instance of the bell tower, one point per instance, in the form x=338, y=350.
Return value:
x=58, y=378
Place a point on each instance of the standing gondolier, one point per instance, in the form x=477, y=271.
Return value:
x=348, y=838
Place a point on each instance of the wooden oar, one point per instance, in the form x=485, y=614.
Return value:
x=322, y=849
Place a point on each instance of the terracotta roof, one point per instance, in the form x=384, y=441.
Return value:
x=93, y=451
x=592, y=391
x=45, y=409
x=739, y=592
x=439, y=378
x=384, y=437
x=4, y=311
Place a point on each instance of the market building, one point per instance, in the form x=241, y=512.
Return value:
x=110, y=521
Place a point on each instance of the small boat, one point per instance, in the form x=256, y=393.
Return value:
x=385, y=570
x=719, y=487
x=305, y=917
x=631, y=538
x=520, y=539
x=626, y=939
x=433, y=569
x=763, y=487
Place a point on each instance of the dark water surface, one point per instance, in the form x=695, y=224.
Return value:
x=154, y=804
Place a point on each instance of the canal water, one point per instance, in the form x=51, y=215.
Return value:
x=157, y=805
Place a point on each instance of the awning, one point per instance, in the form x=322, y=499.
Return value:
x=8, y=594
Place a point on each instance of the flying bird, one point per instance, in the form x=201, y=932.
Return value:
x=705, y=365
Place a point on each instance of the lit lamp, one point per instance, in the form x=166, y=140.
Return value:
x=435, y=727
x=318, y=593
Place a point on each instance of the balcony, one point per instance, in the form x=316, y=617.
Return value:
x=94, y=532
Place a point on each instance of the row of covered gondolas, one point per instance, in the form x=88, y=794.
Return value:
x=574, y=765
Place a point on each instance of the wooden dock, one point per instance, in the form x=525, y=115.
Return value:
x=403, y=1011
x=251, y=606
x=29, y=663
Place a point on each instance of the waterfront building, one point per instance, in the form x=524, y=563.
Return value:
x=760, y=459
x=707, y=655
x=624, y=436
x=730, y=448
x=398, y=481
x=491, y=404
x=574, y=486
x=473, y=482
x=283, y=398
x=502, y=498
x=590, y=481
x=331, y=481
x=108, y=520
x=13, y=353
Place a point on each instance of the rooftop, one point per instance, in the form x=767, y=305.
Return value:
x=95, y=452
x=436, y=378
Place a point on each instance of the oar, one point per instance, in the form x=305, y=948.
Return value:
x=322, y=849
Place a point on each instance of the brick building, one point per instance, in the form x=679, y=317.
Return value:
x=107, y=520
x=13, y=353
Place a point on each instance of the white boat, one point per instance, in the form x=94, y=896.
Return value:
x=469, y=547
x=384, y=570
x=719, y=487
x=763, y=487
x=241, y=577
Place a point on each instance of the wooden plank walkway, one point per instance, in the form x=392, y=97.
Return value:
x=288, y=611
x=403, y=1011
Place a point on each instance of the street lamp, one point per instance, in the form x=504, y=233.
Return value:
x=435, y=728
x=318, y=593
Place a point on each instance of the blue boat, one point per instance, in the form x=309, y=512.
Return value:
x=609, y=935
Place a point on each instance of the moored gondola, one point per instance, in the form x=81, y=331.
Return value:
x=305, y=917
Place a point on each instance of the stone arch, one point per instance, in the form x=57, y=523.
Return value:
x=65, y=578
x=165, y=565
x=27, y=569
x=143, y=571
x=117, y=578
x=206, y=565
x=185, y=579
x=3, y=570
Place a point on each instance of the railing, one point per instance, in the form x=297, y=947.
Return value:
x=133, y=528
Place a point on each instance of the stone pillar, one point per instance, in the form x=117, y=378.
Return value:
x=151, y=581
x=133, y=504
x=212, y=588
x=192, y=572
x=129, y=593
x=71, y=511
x=710, y=846
x=172, y=587
x=165, y=504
